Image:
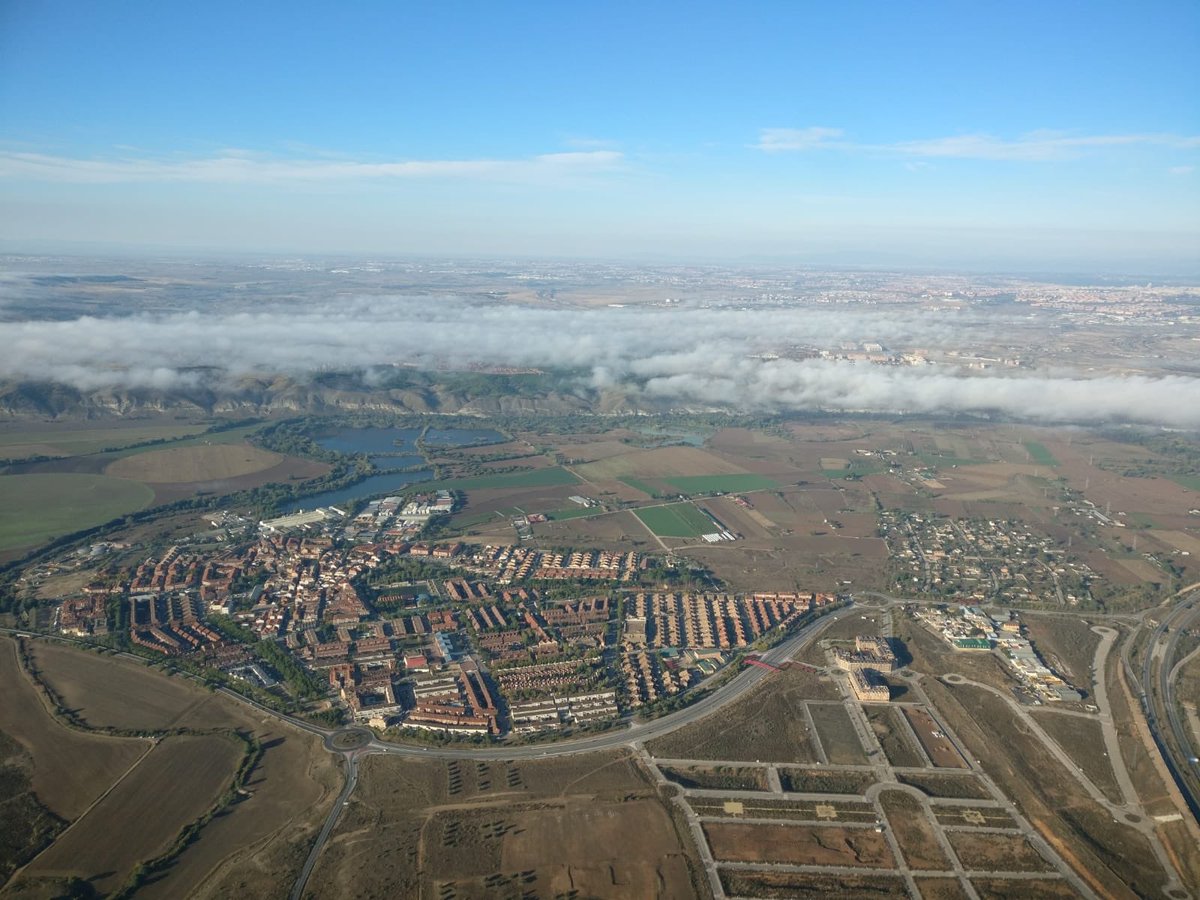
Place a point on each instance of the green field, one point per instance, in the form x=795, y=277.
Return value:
x=721, y=484
x=36, y=508
x=676, y=520
x=536, y=478
x=1191, y=482
x=1039, y=454
x=856, y=469
x=76, y=441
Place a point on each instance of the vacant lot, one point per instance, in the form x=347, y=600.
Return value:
x=1023, y=889
x=975, y=816
x=740, y=883
x=913, y=831
x=70, y=768
x=768, y=725
x=950, y=787
x=798, y=845
x=893, y=736
x=590, y=824
x=1068, y=645
x=837, y=812
x=36, y=508
x=676, y=520
x=173, y=786
x=1083, y=741
x=823, y=781
x=716, y=778
x=937, y=746
x=996, y=852
x=837, y=735
x=940, y=889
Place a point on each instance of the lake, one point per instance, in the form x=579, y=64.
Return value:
x=368, y=487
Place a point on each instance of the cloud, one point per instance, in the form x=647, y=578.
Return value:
x=1181, y=170
x=702, y=358
x=776, y=140
x=242, y=167
x=1037, y=146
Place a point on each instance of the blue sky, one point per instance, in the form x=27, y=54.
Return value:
x=1007, y=134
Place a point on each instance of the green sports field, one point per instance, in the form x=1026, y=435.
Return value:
x=676, y=520
x=718, y=484
x=36, y=508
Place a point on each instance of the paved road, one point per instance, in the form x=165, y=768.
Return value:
x=327, y=829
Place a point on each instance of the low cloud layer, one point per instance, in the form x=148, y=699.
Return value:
x=683, y=357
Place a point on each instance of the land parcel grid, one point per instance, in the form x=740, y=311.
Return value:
x=590, y=825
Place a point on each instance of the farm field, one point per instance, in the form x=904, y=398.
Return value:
x=726, y=484
x=70, y=768
x=69, y=441
x=474, y=829
x=36, y=508
x=768, y=725
x=661, y=462
x=837, y=735
x=28, y=824
x=676, y=520
x=199, y=462
x=254, y=845
x=1039, y=455
x=175, y=784
x=798, y=845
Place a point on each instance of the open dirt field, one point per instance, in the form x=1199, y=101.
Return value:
x=1067, y=643
x=824, y=781
x=592, y=824
x=913, y=831
x=767, y=725
x=798, y=845
x=70, y=768
x=174, y=785
x=199, y=462
x=939, y=749
x=719, y=778
x=802, y=886
x=893, y=735
x=940, y=889
x=1083, y=741
x=951, y=787
x=837, y=735
x=1107, y=854
x=996, y=852
x=662, y=462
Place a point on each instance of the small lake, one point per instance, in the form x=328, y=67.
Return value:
x=368, y=487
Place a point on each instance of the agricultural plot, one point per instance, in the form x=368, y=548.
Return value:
x=1039, y=455
x=662, y=462
x=200, y=462
x=681, y=520
x=549, y=477
x=720, y=484
x=50, y=441
x=837, y=735
x=71, y=768
x=798, y=845
x=177, y=782
x=36, y=508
